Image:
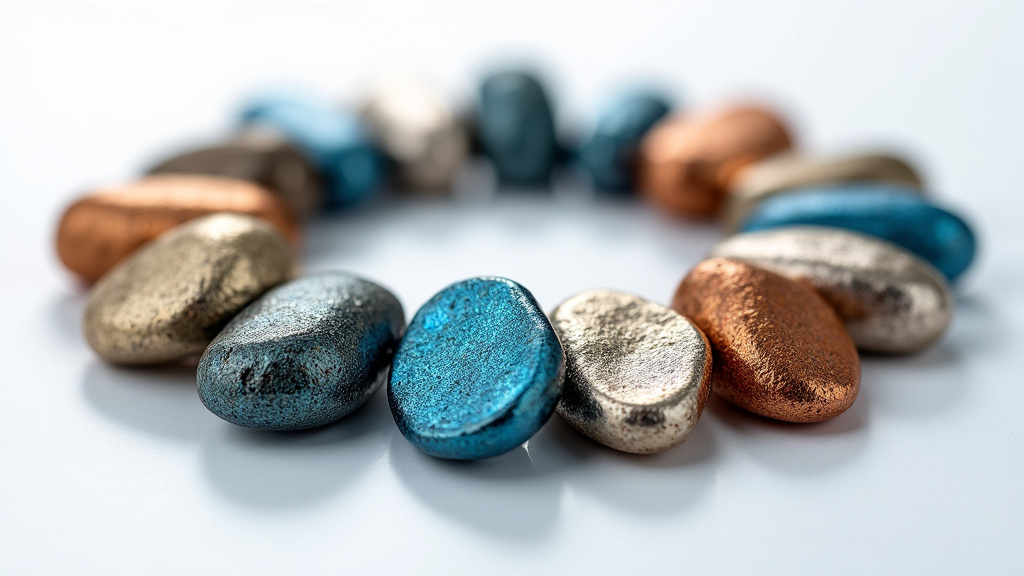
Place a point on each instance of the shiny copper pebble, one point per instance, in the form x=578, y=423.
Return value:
x=101, y=229
x=779, y=349
x=686, y=162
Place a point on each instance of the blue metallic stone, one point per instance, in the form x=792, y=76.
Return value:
x=901, y=216
x=334, y=141
x=517, y=129
x=609, y=155
x=303, y=355
x=478, y=372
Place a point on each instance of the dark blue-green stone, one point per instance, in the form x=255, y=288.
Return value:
x=609, y=154
x=516, y=129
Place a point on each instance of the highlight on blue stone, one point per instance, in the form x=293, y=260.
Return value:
x=478, y=372
x=516, y=128
x=304, y=354
x=899, y=215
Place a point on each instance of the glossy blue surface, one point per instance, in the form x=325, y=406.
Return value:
x=478, y=372
x=303, y=355
x=609, y=155
x=333, y=139
x=516, y=129
x=896, y=214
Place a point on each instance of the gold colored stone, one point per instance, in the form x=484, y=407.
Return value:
x=172, y=297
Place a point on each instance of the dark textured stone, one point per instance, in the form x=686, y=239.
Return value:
x=517, y=129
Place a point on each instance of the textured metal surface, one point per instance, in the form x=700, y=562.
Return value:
x=686, y=162
x=891, y=300
x=609, y=154
x=779, y=348
x=421, y=135
x=478, y=372
x=170, y=299
x=517, y=128
x=637, y=374
x=101, y=229
x=304, y=354
x=258, y=156
x=891, y=213
x=786, y=171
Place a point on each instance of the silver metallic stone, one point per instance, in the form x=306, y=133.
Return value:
x=637, y=373
x=891, y=300
x=419, y=133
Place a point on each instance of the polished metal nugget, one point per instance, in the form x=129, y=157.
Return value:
x=637, y=374
x=170, y=299
x=891, y=300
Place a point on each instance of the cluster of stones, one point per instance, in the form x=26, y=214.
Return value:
x=832, y=255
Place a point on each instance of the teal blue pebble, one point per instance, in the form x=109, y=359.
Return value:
x=478, y=372
x=516, y=129
x=609, y=154
x=889, y=212
x=304, y=354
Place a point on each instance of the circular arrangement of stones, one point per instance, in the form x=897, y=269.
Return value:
x=828, y=257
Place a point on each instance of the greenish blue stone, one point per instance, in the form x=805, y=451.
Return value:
x=304, y=354
x=892, y=213
x=516, y=129
x=478, y=372
x=609, y=155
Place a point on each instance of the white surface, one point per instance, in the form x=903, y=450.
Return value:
x=110, y=471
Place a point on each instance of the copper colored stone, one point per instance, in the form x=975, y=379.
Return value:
x=101, y=229
x=686, y=162
x=779, y=349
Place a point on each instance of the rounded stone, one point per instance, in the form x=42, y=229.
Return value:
x=891, y=300
x=102, y=229
x=787, y=171
x=304, y=354
x=171, y=298
x=637, y=374
x=892, y=213
x=478, y=371
x=517, y=128
x=780, y=350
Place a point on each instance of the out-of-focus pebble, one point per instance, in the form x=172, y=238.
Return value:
x=517, y=129
x=609, y=154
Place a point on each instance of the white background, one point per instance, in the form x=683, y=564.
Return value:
x=113, y=471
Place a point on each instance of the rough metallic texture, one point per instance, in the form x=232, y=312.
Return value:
x=517, y=129
x=478, y=372
x=609, y=154
x=891, y=300
x=419, y=133
x=258, y=156
x=636, y=373
x=779, y=349
x=302, y=355
x=103, y=228
x=172, y=297
x=786, y=171
x=891, y=213
x=686, y=162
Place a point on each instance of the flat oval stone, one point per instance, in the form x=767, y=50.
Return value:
x=517, y=128
x=257, y=156
x=478, y=372
x=637, y=374
x=687, y=161
x=779, y=349
x=609, y=154
x=784, y=172
x=102, y=229
x=304, y=354
x=891, y=300
x=888, y=212
x=169, y=299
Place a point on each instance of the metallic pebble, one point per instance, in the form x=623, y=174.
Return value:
x=169, y=299
x=891, y=300
x=478, y=371
x=686, y=162
x=258, y=156
x=787, y=171
x=517, y=128
x=304, y=354
x=779, y=349
x=419, y=133
x=897, y=214
x=103, y=228
x=637, y=374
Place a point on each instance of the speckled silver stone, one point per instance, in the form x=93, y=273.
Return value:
x=637, y=373
x=891, y=300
